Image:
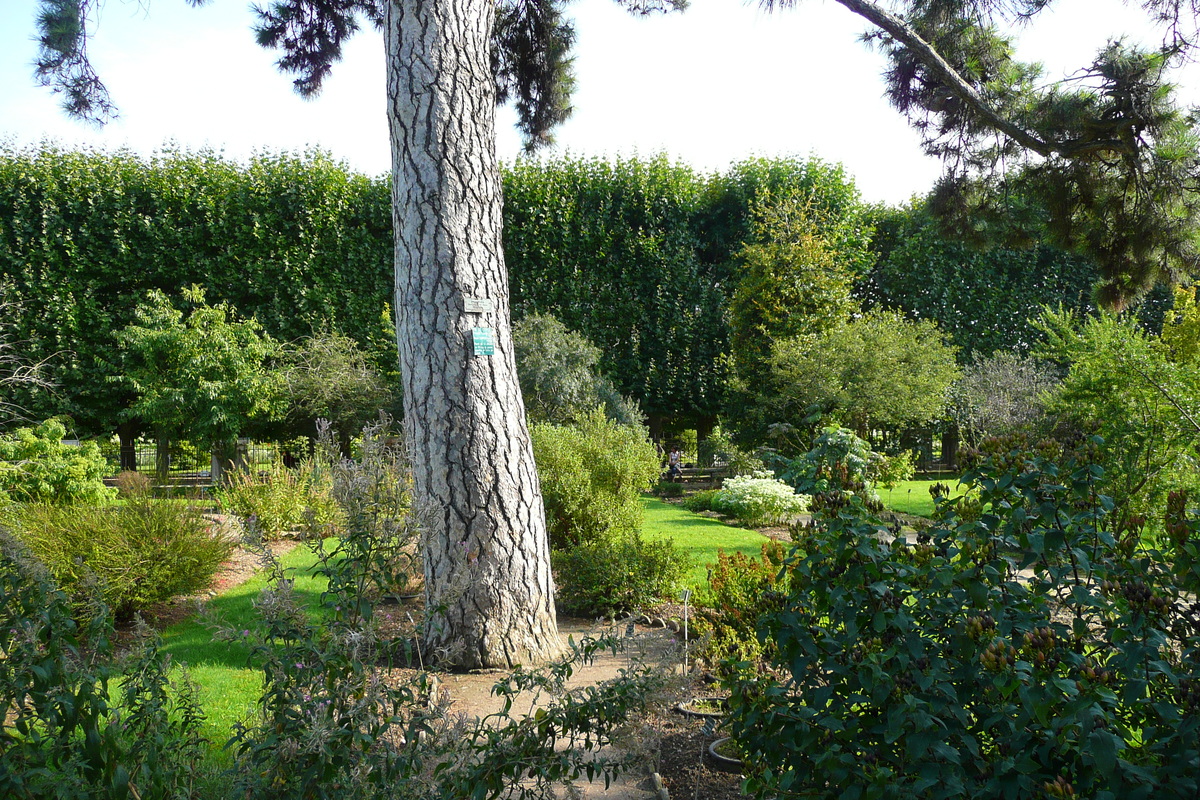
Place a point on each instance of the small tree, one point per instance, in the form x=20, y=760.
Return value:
x=1001, y=394
x=1123, y=385
x=327, y=376
x=879, y=370
x=560, y=380
x=202, y=374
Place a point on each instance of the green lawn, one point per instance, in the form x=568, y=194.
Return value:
x=698, y=537
x=912, y=497
x=227, y=688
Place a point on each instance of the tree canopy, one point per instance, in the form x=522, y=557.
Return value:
x=1108, y=155
x=201, y=374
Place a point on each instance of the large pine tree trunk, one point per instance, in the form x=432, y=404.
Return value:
x=489, y=591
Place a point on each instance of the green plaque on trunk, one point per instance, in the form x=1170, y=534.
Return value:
x=485, y=341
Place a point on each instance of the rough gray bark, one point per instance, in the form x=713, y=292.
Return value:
x=487, y=560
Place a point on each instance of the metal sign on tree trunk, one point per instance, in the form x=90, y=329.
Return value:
x=485, y=341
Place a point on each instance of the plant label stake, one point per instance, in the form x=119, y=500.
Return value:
x=687, y=596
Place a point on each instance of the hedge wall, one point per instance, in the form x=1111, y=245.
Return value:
x=293, y=240
x=635, y=254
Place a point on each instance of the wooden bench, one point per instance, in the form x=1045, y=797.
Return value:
x=703, y=477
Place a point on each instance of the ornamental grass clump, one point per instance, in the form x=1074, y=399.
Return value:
x=281, y=500
x=137, y=554
x=758, y=500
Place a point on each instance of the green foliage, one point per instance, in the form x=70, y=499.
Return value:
x=558, y=371
x=668, y=489
x=592, y=475
x=740, y=590
x=328, y=376
x=279, y=500
x=1001, y=394
x=36, y=467
x=1028, y=644
x=328, y=727
x=201, y=375
x=878, y=370
x=842, y=463
x=758, y=500
x=702, y=500
x=719, y=448
x=794, y=279
x=295, y=241
x=141, y=552
x=1123, y=385
x=62, y=735
x=606, y=246
x=1181, y=328
x=982, y=298
x=373, y=492
x=300, y=244
x=618, y=574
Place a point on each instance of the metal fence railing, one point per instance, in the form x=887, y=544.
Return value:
x=189, y=465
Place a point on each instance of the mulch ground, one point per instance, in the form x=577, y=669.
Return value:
x=683, y=762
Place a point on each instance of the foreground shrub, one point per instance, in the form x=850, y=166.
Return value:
x=137, y=554
x=740, y=590
x=593, y=474
x=617, y=575
x=757, y=500
x=374, y=501
x=36, y=467
x=331, y=725
x=61, y=735
x=279, y=499
x=1026, y=645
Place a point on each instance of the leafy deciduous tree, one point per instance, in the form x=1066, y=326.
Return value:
x=1000, y=395
x=327, y=376
x=1122, y=385
x=200, y=375
x=878, y=370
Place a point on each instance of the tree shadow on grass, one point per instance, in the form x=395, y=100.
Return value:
x=193, y=641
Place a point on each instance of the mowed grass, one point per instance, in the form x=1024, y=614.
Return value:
x=912, y=497
x=700, y=538
x=227, y=688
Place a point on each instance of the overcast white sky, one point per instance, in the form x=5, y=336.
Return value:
x=716, y=84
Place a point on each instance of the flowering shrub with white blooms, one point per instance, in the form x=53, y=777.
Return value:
x=759, y=499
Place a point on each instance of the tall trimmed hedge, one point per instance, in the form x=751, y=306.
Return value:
x=610, y=248
x=638, y=256
x=635, y=254
x=293, y=240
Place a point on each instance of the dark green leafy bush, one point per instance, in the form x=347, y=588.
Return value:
x=701, y=501
x=36, y=467
x=1026, y=645
x=617, y=575
x=668, y=489
x=138, y=554
x=62, y=734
